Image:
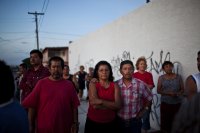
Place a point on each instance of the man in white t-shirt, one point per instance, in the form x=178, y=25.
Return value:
x=193, y=81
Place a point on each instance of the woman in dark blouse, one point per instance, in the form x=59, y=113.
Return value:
x=170, y=86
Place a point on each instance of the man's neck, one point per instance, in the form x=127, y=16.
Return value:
x=66, y=74
x=36, y=67
x=127, y=81
x=53, y=79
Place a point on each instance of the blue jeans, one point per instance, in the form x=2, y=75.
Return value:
x=97, y=127
x=145, y=120
x=132, y=125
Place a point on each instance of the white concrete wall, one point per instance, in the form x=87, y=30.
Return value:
x=160, y=30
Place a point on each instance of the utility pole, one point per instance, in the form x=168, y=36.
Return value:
x=36, y=21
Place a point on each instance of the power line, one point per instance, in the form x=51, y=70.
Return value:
x=14, y=39
x=22, y=32
x=14, y=20
x=43, y=10
x=43, y=6
x=60, y=33
x=55, y=38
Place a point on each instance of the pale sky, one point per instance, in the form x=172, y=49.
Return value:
x=64, y=21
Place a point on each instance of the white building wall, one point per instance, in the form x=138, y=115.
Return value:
x=160, y=30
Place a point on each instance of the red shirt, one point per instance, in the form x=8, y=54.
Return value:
x=145, y=77
x=54, y=102
x=30, y=78
x=103, y=115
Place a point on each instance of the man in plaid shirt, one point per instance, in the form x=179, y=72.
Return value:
x=34, y=74
x=133, y=92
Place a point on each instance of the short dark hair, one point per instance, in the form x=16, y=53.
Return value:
x=6, y=82
x=198, y=53
x=167, y=63
x=110, y=78
x=82, y=67
x=56, y=58
x=37, y=52
x=23, y=65
x=126, y=62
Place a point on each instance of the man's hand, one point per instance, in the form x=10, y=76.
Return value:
x=75, y=127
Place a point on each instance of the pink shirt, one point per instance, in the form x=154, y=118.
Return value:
x=54, y=102
x=145, y=77
x=103, y=115
x=132, y=97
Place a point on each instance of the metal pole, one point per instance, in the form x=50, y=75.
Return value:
x=36, y=21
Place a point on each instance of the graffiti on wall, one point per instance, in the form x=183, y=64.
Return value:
x=115, y=61
x=154, y=114
x=154, y=65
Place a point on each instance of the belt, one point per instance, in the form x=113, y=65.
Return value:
x=129, y=120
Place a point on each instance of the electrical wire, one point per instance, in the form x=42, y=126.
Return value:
x=44, y=9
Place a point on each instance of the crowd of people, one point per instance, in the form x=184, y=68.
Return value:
x=48, y=98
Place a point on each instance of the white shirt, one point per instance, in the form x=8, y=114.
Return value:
x=197, y=79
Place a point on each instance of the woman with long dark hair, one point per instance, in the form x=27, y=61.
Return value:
x=104, y=101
